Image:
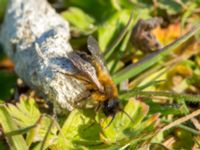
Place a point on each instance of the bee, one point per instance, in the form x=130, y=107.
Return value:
x=93, y=72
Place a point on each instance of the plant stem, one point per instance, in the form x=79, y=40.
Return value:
x=185, y=97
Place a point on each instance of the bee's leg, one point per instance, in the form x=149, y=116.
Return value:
x=85, y=104
x=98, y=107
x=90, y=86
x=92, y=101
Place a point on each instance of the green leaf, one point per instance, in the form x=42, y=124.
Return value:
x=163, y=109
x=7, y=82
x=79, y=19
x=115, y=4
x=99, y=9
x=26, y=116
x=79, y=129
x=19, y=131
x=158, y=146
x=25, y=113
x=184, y=140
x=2, y=145
x=188, y=13
x=111, y=27
x=123, y=130
x=3, y=4
x=16, y=142
x=2, y=101
x=171, y=6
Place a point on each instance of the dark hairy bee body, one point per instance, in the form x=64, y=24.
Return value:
x=94, y=74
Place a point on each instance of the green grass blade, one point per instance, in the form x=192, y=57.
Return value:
x=185, y=97
x=19, y=131
x=184, y=127
x=134, y=69
x=43, y=144
x=109, y=51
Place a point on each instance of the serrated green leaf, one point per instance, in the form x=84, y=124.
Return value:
x=123, y=130
x=16, y=142
x=79, y=129
x=25, y=113
x=26, y=116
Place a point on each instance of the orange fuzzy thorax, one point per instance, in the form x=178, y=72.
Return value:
x=110, y=90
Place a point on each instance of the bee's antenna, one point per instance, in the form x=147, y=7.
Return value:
x=127, y=115
x=110, y=122
x=113, y=117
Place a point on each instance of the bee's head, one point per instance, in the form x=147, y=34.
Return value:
x=111, y=107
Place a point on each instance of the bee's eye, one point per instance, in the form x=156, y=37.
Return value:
x=112, y=103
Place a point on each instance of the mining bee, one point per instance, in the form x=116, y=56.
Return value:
x=96, y=77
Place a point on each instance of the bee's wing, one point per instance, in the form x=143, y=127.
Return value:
x=86, y=68
x=94, y=49
x=109, y=86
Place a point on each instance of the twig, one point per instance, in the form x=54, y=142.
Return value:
x=184, y=127
x=196, y=123
x=46, y=135
x=181, y=120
